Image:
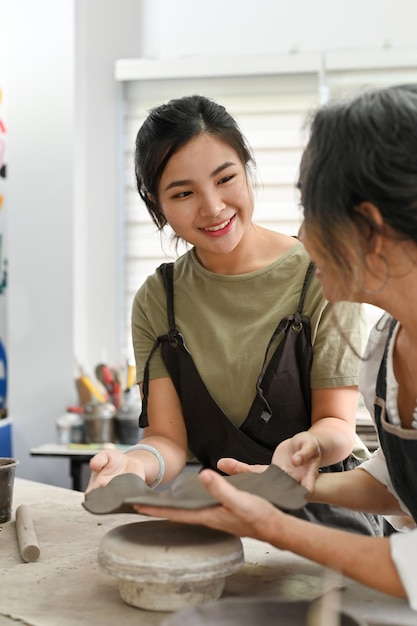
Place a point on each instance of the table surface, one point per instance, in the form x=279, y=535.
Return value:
x=74, y=449
x=66, y=586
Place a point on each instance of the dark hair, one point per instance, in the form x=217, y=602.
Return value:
x=171, y=126
x=363, y=149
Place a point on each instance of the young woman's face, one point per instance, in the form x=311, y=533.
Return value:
x=205, y=195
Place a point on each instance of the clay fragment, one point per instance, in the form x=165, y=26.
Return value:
x=186, y=492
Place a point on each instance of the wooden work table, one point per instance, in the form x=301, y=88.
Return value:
x=67, y=587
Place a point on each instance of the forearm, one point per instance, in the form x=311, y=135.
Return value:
x=335, y=437
x=355, y=489
x=108, y=464
x=166, y=431
x=173, y=455
x=368, y=559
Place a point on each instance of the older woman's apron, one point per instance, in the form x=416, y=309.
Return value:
x=398, y=446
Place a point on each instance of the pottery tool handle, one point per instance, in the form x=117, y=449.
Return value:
x=26, y=536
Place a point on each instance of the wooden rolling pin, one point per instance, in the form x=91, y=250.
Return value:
x=26, y=536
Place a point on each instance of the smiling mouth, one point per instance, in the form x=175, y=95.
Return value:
x=213, y=229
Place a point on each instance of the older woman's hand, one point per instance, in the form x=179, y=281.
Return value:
x=233, y=466
x=239, y=513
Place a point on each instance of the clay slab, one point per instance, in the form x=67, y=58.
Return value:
x=186, y=492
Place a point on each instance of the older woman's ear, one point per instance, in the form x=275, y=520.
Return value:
x=371, y=216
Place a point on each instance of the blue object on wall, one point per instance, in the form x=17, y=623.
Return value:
x=6, y=437
x=3, y=376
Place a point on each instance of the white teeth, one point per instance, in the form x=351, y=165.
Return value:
x=219, y=227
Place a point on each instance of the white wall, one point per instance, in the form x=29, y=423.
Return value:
x=104, y=31
x=62, y=205
x=39, y=90
x=176, y=28
x=64, y=214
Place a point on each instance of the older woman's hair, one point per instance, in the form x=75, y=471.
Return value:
x=361, y=150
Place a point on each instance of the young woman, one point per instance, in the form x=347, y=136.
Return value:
x=358, y=182
x=237, y=351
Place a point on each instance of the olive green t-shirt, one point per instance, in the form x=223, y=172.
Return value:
x=227, y=321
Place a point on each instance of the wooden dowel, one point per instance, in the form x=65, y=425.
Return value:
x=26, y=536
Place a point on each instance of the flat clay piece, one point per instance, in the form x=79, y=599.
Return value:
x=186, y=492
x=249, y=611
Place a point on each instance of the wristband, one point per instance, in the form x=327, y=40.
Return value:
x=155, y=452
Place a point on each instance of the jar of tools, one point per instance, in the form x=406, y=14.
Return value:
x=70, y=426
x=99, y=422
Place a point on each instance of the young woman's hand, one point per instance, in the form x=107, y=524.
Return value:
x=110, y=463
x=300, y=457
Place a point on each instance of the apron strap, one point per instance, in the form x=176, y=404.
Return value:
x=297, y=325
x=167, y=272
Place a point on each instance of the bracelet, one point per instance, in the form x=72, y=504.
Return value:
x=155, y=452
